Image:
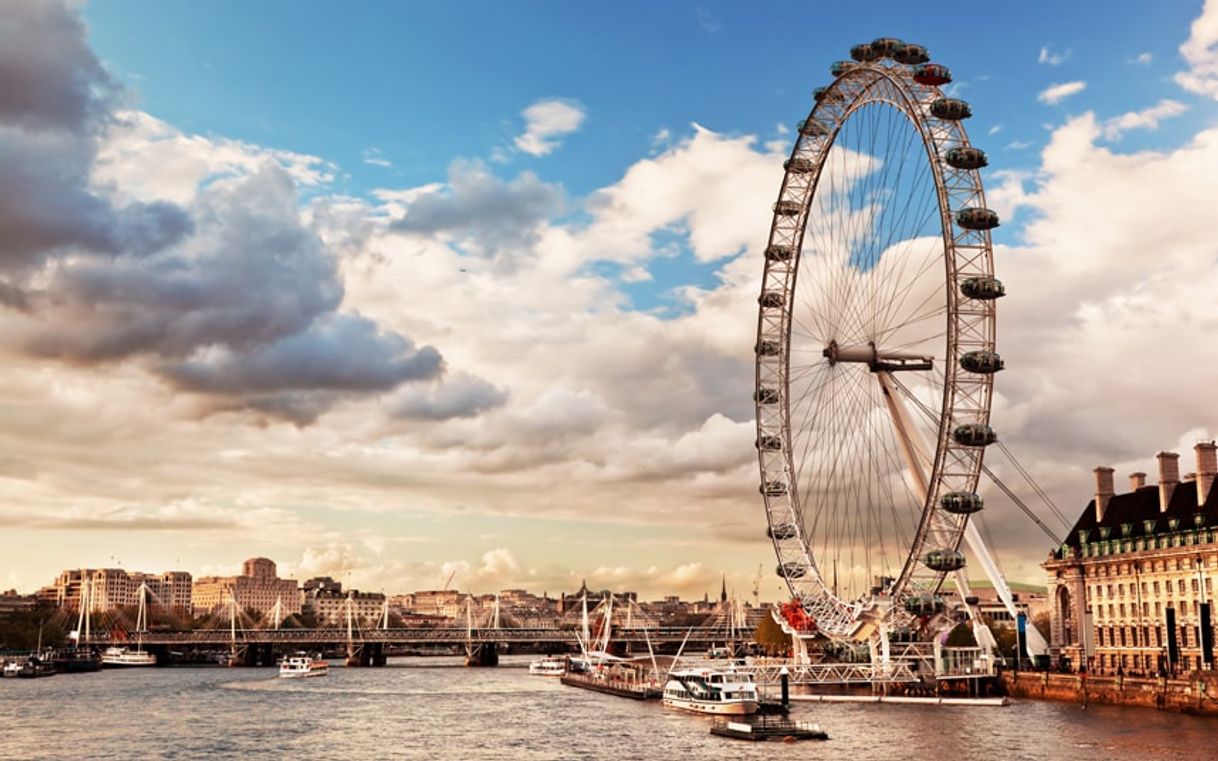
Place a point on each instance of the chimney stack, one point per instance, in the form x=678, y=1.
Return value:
x=1169, y=476
x=1207, y=468
x=1137, y=480
x=1103, y=491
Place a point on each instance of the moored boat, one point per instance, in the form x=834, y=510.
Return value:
x=116, y=657
x=720, y=692
x=303, y=665
x=74, y=661
x=35, y=667
x=549, y=666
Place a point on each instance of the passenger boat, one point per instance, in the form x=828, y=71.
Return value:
x=115, y=657
x=549, y=666
x=302, y=665
x=11, y=668
x=722, y=692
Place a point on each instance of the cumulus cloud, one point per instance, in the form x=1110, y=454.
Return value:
x=460, y=395
x=212, y=280
x=480, y=212
x=57, y=101
x=545, y=122
x=1056, y=93
x=1200, y=50
x=1145, y=119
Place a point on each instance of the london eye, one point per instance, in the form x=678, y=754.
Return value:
x=875, y=349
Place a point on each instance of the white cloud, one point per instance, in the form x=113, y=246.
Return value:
x=1200, y=50
x=1018, y=145
x=1057, y=92
x=1145, y=119
x=994, y=130
x=1142, y=59
x=545, y=122
x=1053, y=59
x=374, y=157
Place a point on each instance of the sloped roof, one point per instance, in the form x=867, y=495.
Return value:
x=1139, y=506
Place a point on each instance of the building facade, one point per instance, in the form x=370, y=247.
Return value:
x=1130, y=589
x=110, y=588
x=258, y=588
x=330, y=607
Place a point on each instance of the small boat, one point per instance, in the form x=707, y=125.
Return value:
x=711, y=691
x=302, y=665
x=74, y=661
x=35, y=667
x=549, y=666
x=782, y=730
x=11, y=669
x=115, y=657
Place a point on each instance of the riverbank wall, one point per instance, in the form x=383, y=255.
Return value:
x=1196, y=693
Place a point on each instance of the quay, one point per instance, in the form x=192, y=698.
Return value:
x=906, y=699
x=1195, y=693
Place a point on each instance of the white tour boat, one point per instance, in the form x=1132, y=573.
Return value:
x=549, y=666
x=121, y=656
x=125, y=657
x=711, y=691
x=302, y=665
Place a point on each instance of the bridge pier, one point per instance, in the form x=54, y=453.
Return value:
x=481, y=654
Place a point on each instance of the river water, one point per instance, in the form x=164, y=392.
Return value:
x=436, y=709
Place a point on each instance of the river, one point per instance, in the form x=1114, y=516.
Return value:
x=433, y=708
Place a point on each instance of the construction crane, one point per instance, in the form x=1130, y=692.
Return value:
x=450, y=580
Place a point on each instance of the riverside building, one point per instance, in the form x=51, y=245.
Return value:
x=258, y=587
x=1131, y=587
x=110, y=588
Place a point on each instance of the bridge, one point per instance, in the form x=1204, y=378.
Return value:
x=406, y=636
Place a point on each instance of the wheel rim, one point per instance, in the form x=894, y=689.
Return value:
x=865, y=265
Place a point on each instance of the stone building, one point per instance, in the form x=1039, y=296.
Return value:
x=110, y=588
x=330, y=606
x=258, y=587
x=1130, y=589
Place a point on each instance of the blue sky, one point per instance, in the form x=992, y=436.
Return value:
x=344, y=319
x=427, y=82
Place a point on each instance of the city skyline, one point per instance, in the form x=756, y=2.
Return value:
x=385, y=311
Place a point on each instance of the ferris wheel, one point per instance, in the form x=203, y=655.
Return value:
x=876, y=344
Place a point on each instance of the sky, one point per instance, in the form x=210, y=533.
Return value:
x=395, y=292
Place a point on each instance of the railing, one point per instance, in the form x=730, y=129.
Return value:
x=407, y=636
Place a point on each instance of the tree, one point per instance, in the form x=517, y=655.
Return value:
x=961, y=636
x=770, y=637
x=1042, y=623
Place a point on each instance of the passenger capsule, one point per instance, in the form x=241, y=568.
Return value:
x=952, y=109
x=768, y=348
x=961, y=502
x=774, y=488
x=782, y=531
x=972, y=600
x=777, y=253
x=863, y=52
x=983, y=362
x=786, y=208
x=933, y=74
x=911, y=54
x=977, y=218
x=799, y=165
x=821, y=93
x=772, y=299
x=765, y=395
x=841, y=67
x=886, y=47
x=966, y=157
x=944, y=560
x=924, y=604
x=769, y=442
x=983, y=288
x=974, y=435
x=793, y=570
x=811, y=128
